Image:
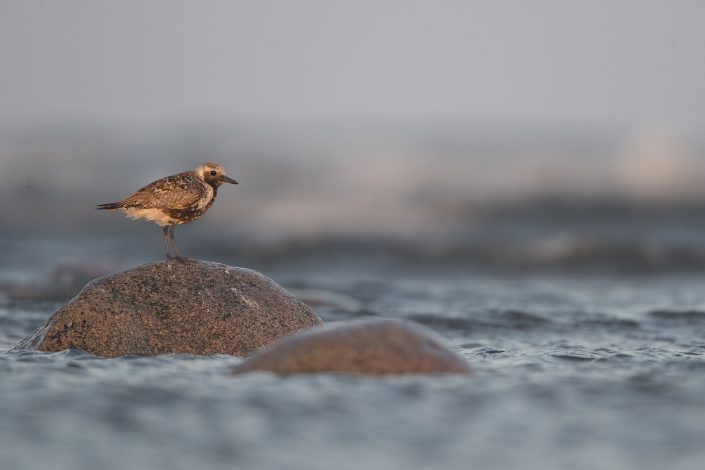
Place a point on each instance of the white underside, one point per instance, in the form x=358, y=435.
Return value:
x=153, y=215
x=159, y=217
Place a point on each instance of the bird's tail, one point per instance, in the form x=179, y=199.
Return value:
x=111, y=206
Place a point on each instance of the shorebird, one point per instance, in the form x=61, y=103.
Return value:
x=174, y=200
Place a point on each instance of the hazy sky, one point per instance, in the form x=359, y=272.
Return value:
x=629, y=64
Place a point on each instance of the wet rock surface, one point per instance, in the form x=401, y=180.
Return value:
x=191, y=307
x=366, y=347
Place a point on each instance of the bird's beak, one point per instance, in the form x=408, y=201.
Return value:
x=227, y=179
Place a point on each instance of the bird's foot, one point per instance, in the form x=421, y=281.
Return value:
x=181, y=259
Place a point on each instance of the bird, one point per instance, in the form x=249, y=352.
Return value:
x=174, y=200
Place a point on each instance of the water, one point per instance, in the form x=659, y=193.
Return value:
x=572, y=370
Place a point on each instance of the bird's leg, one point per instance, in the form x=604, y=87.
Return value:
x=165, y=233
x=173, y=242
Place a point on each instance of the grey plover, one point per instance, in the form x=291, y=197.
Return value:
x=174, y=200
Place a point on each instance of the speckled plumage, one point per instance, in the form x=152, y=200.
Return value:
x=181, y=198
x=174, y=200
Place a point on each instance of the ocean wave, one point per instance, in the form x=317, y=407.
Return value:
x=678, y=315
x=568, y=251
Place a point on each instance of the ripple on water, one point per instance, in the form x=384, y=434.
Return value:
x=502, y=319
x=689, y=316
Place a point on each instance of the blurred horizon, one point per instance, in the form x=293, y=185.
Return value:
x=307, y=179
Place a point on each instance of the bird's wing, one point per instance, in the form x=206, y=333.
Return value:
x=174, y=192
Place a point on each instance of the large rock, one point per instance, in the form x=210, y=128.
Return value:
x=372, y=347
x=192, y=307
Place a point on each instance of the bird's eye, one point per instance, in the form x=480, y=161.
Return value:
x=213, y=172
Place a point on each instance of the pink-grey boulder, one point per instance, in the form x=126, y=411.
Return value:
x=190, y=307
x=366, y=347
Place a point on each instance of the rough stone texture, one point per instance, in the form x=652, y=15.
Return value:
x=193, y=307
x=371, y=347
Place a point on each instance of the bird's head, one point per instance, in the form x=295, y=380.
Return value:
x=213, y=174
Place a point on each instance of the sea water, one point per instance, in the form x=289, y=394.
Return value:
x=571, y=370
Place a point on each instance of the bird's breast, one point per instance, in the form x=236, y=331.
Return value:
x=206, y=199
x=197, y=208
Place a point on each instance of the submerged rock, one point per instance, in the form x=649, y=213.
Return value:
x=369, y=347
x=60, y=285
x=191, y=307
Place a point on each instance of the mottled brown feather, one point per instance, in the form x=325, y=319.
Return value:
x=179, y=191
